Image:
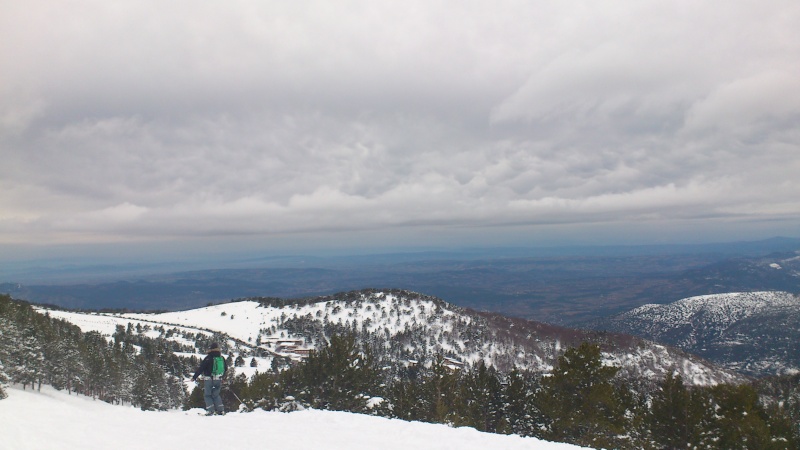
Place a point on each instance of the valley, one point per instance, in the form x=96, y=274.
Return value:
x=558, y=287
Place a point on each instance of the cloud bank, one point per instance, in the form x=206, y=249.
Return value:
x=144, y=120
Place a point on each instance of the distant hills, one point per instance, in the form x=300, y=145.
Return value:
x=755, y=333
x=566, y=286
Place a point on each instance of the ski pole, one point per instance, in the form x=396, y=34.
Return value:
x=237, y=397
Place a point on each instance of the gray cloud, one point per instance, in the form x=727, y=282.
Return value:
x=144, y=120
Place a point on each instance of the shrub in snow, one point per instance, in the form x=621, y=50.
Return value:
x=3, y=382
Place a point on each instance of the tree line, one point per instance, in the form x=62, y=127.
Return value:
x=131, y=369
x=581, y=401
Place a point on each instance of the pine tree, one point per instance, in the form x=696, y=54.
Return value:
x=98, y=376
x=6, y=338
x=440, y=391
x=127, y=361
x=195, y=399
x=176, y=392
x=405, y=400
x=3, y=379
x=580, y=400
x=480, y=400
x=739, y=418
x=520, y=408
x=27, y=359
x=262, y=391
x=151, y=391
x=340, y=376
x=671, y=422
x=65, y=356
x=701, y=413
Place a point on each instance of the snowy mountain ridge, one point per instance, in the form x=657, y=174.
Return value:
x=404, y=327
x=716, y=310
x=751, y=332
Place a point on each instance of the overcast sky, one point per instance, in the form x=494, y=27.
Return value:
x=339, y=123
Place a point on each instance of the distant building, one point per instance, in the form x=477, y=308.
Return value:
x=453, y=364
x=288, y=345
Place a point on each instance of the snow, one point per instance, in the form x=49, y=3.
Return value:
x=241, y=320
x=244, y=320
x=717, y=308
x=54, y=419
x=106, y=324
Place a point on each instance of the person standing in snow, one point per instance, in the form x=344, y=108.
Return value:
x=213, y=368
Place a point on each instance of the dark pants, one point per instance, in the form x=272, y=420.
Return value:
x=213, y=400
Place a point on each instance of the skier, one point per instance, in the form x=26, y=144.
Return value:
x=213, y=368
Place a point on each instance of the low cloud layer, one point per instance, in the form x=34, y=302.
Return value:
x=144, y=120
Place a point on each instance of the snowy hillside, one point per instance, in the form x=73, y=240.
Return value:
x=755, y=332
x=53, y=419
x=403, y=327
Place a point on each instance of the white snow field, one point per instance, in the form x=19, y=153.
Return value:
x=52, y=419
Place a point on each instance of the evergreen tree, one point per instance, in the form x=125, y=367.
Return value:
x=98, y=376
x=26, y=358
x=234, y=387
x=440, y=391
x=3, y=379
x=10, y=339
x=340, y=376
x=66, y=365
x=739, y=419
x=671, y=421
x=580, y=401
x=196, y=398
x=635, y=397
x=784, y=432
x=263, y=391
x=519, y=404
x=781, y=396
x=143, y=394
x=480, y=401
x=175, y=391
x=701, y=413
x=405, y=400
x=152, y=391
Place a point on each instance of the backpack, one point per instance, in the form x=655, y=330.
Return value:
x=217, y=366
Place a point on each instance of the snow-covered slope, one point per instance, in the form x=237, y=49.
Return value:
x=53, y=419
x=753, y=332
x=404, y=326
